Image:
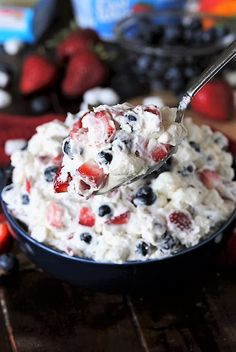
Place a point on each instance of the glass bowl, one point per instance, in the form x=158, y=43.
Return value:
x=168, y=49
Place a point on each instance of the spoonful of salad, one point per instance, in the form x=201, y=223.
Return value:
x=110, y=146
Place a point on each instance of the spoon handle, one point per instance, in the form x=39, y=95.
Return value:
x=227, y=55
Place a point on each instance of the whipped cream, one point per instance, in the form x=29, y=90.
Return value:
x=176, y=208
x=110, y=145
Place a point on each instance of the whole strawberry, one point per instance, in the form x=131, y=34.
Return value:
x=214, y=100
x=85, y=70
x=37, y=73
x=79, y=40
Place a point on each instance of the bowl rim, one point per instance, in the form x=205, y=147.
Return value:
x=178, y=50
x=17, y=227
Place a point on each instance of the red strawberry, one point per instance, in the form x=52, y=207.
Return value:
x=92, y=174
x=153, y=110
x=107, y=123
x=209, y=178
x=181, y=220
x=55, y=215
x=86, y=217
x=61, y=186
x=37, y=73
x=141, y=8
x=79, y=40
x=5, y=237
x=160, y=152
x=57, y=160
x=120, y=219
x=214, y=100
x=27, y=185
x=85, y=70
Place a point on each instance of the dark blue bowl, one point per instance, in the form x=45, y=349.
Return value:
x=136, y=276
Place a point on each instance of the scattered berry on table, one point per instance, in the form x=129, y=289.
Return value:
x=8, y=264
x=11, y=145
x=5, y=99
x=40, y=104
x=38, y=72
x=5, y=237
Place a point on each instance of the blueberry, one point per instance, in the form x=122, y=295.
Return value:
x=105, y=157
x=50, y=173
x=188, y=36
x=173, y=73
x=167, y=166
x=122, y=141
x=8, y=263
x=144, y=196
x=66, y=148
x=104, y=210
x=172, y=34
x=195, y=146
x=40, y=104
x=169, y=242
x=208, y=36
x=158, y=67
x=187, y=170
x=25, y=199
x=193, y=23
x=131, y=117
x=190, y=71
x=143, y=63
x=143, y=248
x=86, y=237
x=156, y=35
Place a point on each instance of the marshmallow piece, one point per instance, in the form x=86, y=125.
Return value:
x=154, y=100
x=13, y=145
x=108, y=96
x=5, y=99
x=4, y=79
x=91, y=96
x=12, y=46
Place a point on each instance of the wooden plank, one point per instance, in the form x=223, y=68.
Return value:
x=4, y=340
x=48, y=315
x=189, y=319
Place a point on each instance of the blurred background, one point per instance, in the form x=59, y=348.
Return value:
x=53, y=53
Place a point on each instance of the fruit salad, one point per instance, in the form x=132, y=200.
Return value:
x=175, y=208
x=110, y=145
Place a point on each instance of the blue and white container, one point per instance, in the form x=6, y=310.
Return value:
x=102, y=15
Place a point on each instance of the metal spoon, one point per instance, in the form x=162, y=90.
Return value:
x=226, y=56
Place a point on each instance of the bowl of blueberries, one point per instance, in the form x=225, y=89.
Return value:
x=169, y=49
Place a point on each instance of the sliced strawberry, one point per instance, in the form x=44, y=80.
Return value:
x=61, y=186
x=27, y=185
x=77, y=129
x=160, y=152
x=55, y=215
x=5, y=237
x=92, y=174
x=86, y=217
x=120, y=219
x=153, y=110
x=57, y=160
x=209, y=178
x=181, y=220
x=107, y=122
